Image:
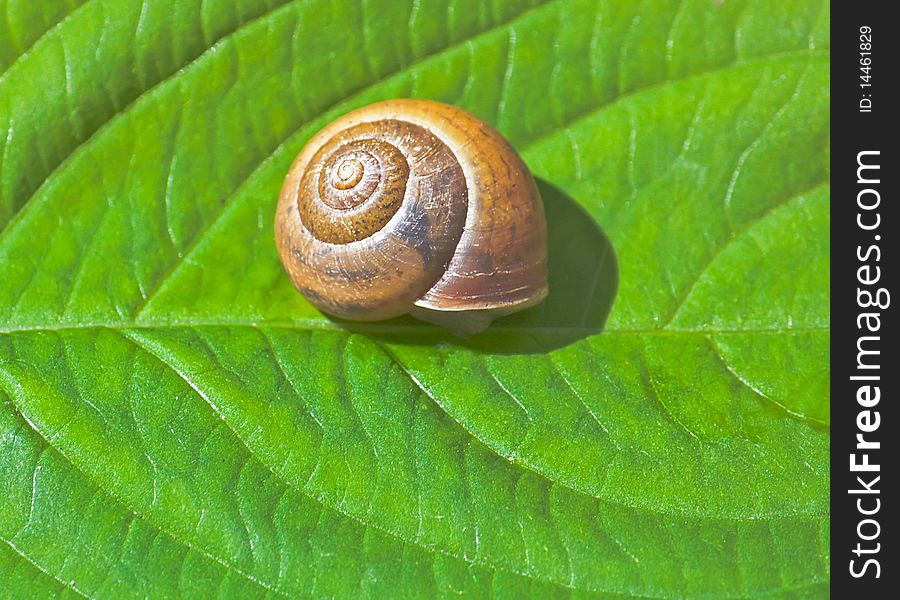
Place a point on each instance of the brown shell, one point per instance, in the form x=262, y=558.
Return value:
x=412, y=206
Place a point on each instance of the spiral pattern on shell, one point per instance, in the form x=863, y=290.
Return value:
x=394, y=207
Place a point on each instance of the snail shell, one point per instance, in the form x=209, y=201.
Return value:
x=413, y=206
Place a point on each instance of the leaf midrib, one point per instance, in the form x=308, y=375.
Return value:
x=317, y=324
x=423, y=330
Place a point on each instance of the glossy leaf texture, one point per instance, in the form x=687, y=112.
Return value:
x=175, y=420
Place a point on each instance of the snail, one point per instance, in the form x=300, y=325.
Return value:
x=413, y=206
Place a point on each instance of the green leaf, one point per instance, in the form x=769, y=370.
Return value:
x=175, y=420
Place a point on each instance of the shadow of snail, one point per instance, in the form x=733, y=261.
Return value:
x=583, y=277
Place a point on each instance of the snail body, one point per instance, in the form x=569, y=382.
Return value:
x=413, y=206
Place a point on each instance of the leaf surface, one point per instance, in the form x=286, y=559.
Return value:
x=176, y=420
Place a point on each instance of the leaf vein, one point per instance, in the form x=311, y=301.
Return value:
x=159, y=530
x=726, y=241
x=25, y=52
x=717, y=349
x=67, y=584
